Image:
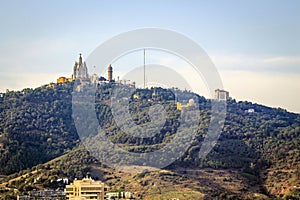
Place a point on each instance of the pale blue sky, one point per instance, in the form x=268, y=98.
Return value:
x=258, y=39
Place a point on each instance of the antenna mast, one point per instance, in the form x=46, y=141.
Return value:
x=144, y=68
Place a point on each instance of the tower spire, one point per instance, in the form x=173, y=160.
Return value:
x=80, y=60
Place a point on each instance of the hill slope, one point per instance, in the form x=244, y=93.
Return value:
x=36, y=126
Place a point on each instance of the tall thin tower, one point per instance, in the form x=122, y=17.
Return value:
x=110, y=73
x=144, y=68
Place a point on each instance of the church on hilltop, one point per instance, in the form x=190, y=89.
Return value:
x=80, y=70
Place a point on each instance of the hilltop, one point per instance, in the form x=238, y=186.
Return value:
x=256, y=156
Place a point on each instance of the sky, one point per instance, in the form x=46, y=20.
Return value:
x=255, y=45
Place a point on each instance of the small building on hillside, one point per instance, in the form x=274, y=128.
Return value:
x=64, y=80
x=221, y=95
x=86, y=188
x=250, y=110
x=189, y=104
x=43, y=194
x=119, y=196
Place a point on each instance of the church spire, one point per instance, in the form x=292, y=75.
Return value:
x=80, y=60
x=80, y=69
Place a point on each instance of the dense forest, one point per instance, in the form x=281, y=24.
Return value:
x=36, y=125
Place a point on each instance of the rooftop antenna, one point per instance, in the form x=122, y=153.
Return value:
x=144, y=68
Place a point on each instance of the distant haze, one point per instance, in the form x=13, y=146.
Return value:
x=255, y=45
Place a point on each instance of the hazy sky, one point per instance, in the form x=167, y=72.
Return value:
x=255, y=45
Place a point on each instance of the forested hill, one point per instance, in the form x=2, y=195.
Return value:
x=36, y=125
